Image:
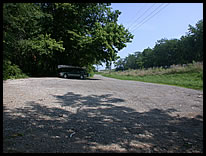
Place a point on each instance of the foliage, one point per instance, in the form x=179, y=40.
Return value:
x=166, y=52
x=11, y=71
x=89, y=32
x=189, y=76
x=37, y=40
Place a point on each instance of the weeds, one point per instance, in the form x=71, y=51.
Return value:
x=189, y=76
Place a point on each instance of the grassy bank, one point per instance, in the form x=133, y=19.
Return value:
x=188, y=76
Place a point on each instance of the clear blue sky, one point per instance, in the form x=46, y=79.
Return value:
x=149, y=22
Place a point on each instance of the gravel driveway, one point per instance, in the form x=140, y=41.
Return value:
x=100, y=115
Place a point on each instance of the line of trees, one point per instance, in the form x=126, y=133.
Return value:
x=39, y=36
x=166, y=52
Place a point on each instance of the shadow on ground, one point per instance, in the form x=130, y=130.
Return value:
x=77, y=78
x=97, y=124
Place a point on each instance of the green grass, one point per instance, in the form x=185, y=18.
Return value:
x=184, y=78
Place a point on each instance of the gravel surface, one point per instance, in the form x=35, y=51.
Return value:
x=100, y=115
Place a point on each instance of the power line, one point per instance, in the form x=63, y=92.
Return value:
x=147, y=16
x=140, y=16
x=151, y=17
x=136, y=13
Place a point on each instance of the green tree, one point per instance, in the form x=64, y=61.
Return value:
x=89, y=32
x=24, y=42
x=191, y=45
x=165, y=52
x=36, y=39
x=119, y=64
x=148, y=58
x=130, y=62
x=19, y=23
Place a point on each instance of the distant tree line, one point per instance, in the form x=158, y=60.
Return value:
x=166, y=52
x=39, y=36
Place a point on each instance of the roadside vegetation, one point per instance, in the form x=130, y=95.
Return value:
x=32, y=46
x=166, y=52
x=172, y=61
x=188, y=76
x=36, y=40
x=12, y=71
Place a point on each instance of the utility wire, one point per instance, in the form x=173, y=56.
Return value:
x=147, y=16
x=140, y=16
x=141, y=7
x=130, y=21
x=150, y=17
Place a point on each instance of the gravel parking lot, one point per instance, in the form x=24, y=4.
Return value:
x=100, y=115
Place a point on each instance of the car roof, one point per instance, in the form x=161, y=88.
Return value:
x=68, y=66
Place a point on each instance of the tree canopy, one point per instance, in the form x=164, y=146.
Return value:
x=39, y=36
x=166, y=52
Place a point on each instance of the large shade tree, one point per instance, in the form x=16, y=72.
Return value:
x=39, y=36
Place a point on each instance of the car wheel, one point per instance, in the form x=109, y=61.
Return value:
x=65, y=76
x=81, y=77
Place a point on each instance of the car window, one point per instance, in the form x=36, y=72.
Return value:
x=72, y=70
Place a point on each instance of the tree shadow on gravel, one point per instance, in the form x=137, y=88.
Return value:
x=98, y=123
x=78, y=78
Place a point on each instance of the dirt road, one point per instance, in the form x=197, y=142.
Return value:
x=100, y=115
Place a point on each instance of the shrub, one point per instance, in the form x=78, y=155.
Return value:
x=12, y=71
x=90, y=69
x=192, y=67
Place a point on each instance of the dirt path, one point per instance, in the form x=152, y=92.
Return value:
x=100, y=115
